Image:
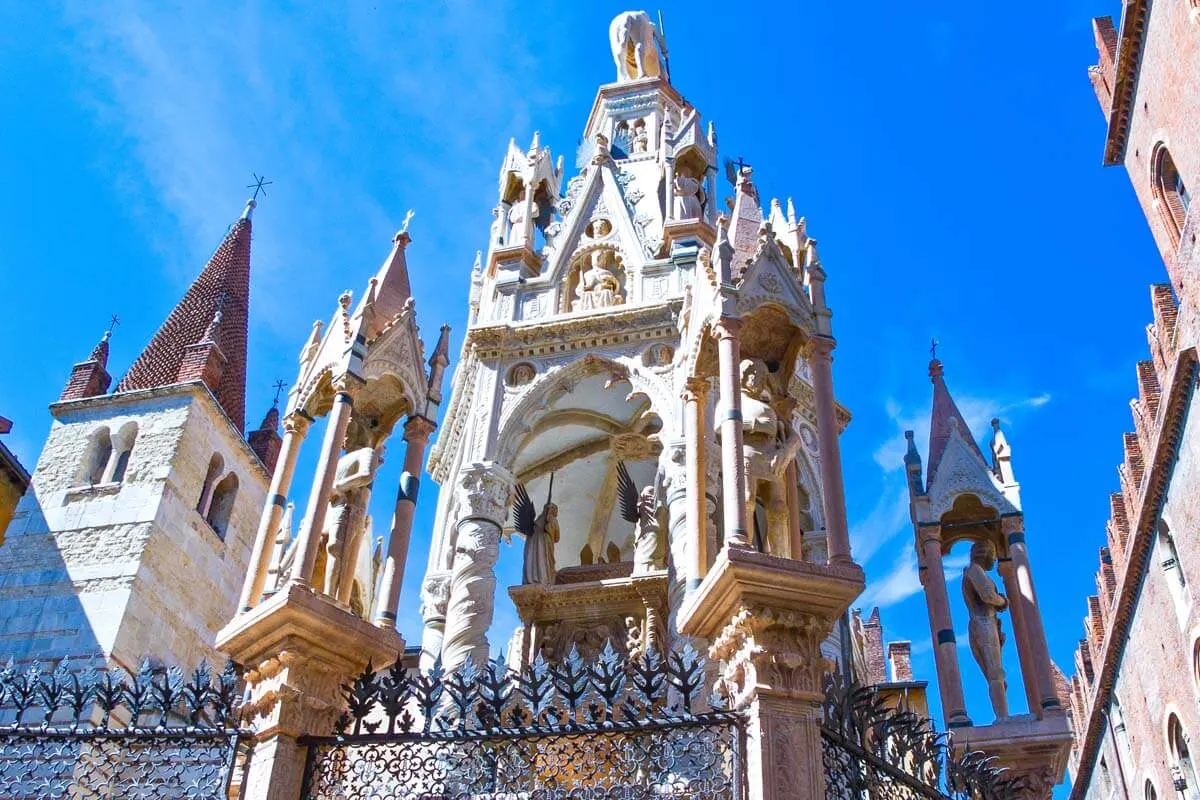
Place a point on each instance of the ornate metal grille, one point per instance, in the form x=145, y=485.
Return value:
x=605, y=729
x=150, y=735
x=871, y=751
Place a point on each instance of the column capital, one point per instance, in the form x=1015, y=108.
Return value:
x=297, y=422
x=929, y=534
x=1011, y=525
x=483, y=492
x=695, y=388
x=819, y=348
x=418, y=429
x=728, y=327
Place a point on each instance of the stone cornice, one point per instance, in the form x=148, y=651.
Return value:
x=565, y=334
x=1154, y=487
x=1130, y=44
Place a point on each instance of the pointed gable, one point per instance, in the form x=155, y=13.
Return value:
x=944, y=418
x=747, y=219
x=225, y=283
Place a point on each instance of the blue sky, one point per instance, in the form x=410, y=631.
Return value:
x=948, y=160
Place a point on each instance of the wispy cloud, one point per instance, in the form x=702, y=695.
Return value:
x=885, y=520
x=903, y=579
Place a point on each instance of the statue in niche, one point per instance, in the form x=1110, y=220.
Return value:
x=346, y=520
x=518, y=222
x=985, y=603
x=770, y=445
x=541, y=534
x=497, y=232
x=689, y=197
x=598, y=286
x=649, y=546
x=641, y=139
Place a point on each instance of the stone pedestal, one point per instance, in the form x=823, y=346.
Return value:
x=766, y=617
x=1033, y=749
x=589, y=605
x=298, y=647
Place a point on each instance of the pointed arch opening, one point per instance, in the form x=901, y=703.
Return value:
x=1170, y=193
x=1183, y=770
x=215, y=465
x=96, y=457
x=1177, y=586
x=221, y=507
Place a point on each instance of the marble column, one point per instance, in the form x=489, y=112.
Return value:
x=1031, y=616
x=307, y=540
x=833, y=494
x=1019, y=629
x=416, y=437
x=295, y=427
x=941, y=627
x=795, y=532
x=733, y=464
x=695, y=400
x=435, y=596
x=482, y=495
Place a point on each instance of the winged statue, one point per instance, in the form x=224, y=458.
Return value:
x=640, y=508
x=540, y=532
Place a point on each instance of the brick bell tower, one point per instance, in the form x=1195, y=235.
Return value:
x=137, y=528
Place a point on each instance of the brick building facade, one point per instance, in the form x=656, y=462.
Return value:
x=1135, y=696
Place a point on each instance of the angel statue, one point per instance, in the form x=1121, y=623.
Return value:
x=648, y=551
x=541, y=534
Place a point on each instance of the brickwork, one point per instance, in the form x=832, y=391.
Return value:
x=89, y=378
x=1137, y=665
x=223, y=285
x=119, y=570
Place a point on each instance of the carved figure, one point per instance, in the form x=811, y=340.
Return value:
x=346, y=521
x=649, y=549
x=689, y=197
x=641, y=139
x=518, y=222
x=636, y=46
x=599, y=286
x=541, y=534
x=984, y=603
x=770, y=445
x=521, y=374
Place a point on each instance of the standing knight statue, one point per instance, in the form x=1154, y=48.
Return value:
x=346, y=521
x=984, y=603
x=637, y=47
x=770, y=446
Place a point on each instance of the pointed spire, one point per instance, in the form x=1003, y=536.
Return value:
x=227, y=275
x=266, y=441
x=90, y=378
x=944, y=421
x=747, y=219
x=1001, y=454
x=437, y=370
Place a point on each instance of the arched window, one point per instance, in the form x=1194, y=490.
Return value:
x=96, y=458
x=122, y=448
x=1182, y=770
x=1196, y=661
x=215, y=465
x=1117, y=719
x=1170, y=193
x=220, y=508
x=1151, y=794
x=1168, y=556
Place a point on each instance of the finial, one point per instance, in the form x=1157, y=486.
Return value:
x=996, y=424
x=402, y=234
x=260, y=182
x=112, y=323
x=935, y=366
x=536, y=144
x=911, y=456
x=791, y=212
x=278, y=386
x=477, y=267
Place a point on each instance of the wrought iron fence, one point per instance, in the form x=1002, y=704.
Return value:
x=153, y=734
x=605, y=729
x=871, y=751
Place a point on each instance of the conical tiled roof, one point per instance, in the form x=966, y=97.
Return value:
x=942, y=420
x=223, y=285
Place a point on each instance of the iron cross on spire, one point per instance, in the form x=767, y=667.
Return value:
x=260, y=182
x=112, y=323
x=933, y=345
x=279, y=386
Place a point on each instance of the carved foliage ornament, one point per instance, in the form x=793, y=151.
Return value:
x=767, y=649
x=483, y=492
